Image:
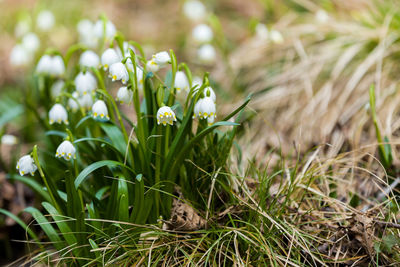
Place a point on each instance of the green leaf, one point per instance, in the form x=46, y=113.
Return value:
x=89, y=139
x=61, y=223
x=21, y=223
x=46, y=227
x=34, y=185
x=94, y=166
x=11, y=114
x=115, y=135
x=123, y=199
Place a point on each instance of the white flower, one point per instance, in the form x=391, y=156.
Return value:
x=26, y=165
x=56, y=88
x=31, y=42
x=45, y=20
x=44, y=65
x=118, y=72
x=89, y=59
x=210, y=120
x=109, y=57
x=126, y=47
x=86, y=101
x=108, y=30
x=85, y=83
x=194, y=10
x=85, y=27
x=139, y=73
x=152, y=66
x=165, y=115
x=66, y=150
x=57, y=66
x=72, y=102
x=181, y=81
x=86, y=33
x=204, y=108
x=202, y=33
x=276, y=37
x=22, y=28
x=9, y=139
x=262, y=31
x=99, y=109
x=19, y=56
x=209, y=92
x=161, y=58
x=124, y=95
x=206, y=53
x=321, y=16
x=51, y=65
x=197, y=81
x=58, y=114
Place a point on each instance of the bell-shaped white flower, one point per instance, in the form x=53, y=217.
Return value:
x=85, y=83
x=161, y=58
x=206, y=53
x=210, y=120
x=86, y=33
x=108, y=30
x=86, y=101
x=152, y=66
x=262, y=32
x=139, y=77
x=202, y=33
x=66, y=150
x=57, y=65
x=89, y=59
x=165, y=115
x=321, y=16
x=276, y=37
x=45, y=20
x=19, y=56
x=25, y=165
x=181, y=81
x=73, y=103
x=118, y=72
x=9, y=139
x=124, y=95
x=31, y=42
x=85, y=27
x=109, y=57
x=204, y=108
x=56, y=88
x=126, y=47
x=197, y=81
x=44, y=65
x=209, y=92
x=99, y=109
x=58, y=114
x=194, y=10
x=22, y=28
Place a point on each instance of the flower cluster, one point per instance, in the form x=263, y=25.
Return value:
x=202, y=34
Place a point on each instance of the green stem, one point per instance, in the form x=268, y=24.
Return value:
x=158, y=168
x=36, y=159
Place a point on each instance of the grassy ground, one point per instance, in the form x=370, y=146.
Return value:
x=307, y=186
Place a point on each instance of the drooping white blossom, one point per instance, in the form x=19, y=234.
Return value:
x=45, y=20
x=58, y=114
x=26, y=165
x=206, y=53
x=31, y=42
x=194, y=10
x=181, y=81
x=86, y=101
x=104, y=29
x=262, y=32
x=202, y=33
x=109, y=57
x=73, y=103
x=85, y=83
x=276, y=37
x=321, y=16
x=22, y=28
x=99, y=110
x=44, y=65
x=9, y=139
x=86, y=33
x=118, y=72
x=58, y=67
x=19, y=56
x=89, y=59
x=66, y=150
x=165, y=115
x=162, y=58
x=124, y=95
x=56, y=88
x=152, y=66
x=204, y=108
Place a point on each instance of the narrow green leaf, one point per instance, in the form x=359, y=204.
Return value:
x=34, y=185
x=21, y=223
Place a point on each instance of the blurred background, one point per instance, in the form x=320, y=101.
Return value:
x=308, y=63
